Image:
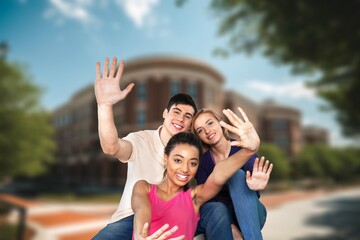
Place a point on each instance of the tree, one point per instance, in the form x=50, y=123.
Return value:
x=276, y=156
x=26, y=143
x=321, y=36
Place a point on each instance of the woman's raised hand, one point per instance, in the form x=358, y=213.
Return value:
x=243, y=128
x=107, y=85
x=260, y=176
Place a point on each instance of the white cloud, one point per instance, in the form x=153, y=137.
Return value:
x=296, y=90
x=76, y=9
x=137, y=10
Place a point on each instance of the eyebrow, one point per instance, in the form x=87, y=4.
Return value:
x=187, y=113
x=179, y=155
x=205, y=122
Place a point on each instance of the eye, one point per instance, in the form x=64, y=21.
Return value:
x=199, y=131
x=193, y=164
x=210, y=123
x=176, y=112
x=177, y=160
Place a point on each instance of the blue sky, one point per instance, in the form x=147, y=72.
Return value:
x=59, y=42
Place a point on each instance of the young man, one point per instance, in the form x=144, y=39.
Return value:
x=143, y=151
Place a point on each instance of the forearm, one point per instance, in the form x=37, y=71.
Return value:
x=142, y=216
x=107, y=130
x=226, y=168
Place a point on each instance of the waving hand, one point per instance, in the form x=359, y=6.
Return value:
x=107, y=85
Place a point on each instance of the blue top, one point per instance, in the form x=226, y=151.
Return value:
x=206, y=166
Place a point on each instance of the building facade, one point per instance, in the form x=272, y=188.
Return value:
x=80, y=160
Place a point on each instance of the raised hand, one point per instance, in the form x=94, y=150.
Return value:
x=159, y=234
x=107, y=85
x=260, y=175
x=243, y=128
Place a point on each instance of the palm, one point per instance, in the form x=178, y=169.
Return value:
x=247, y=135
x=107, y=86
x=260, y=175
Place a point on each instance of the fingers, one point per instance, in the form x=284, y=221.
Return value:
x=159, y=232
x=106, y=68
x=228, y=127
x=233, y=118
x=169, y=233
x=128, y=89
x=248, y=175
x=243, y=114
x=264, y=166
x=120, y=70
x=270, y=169
x=261, y=164
x=144, y=232
x=98, y=71
x=256, y=165
x=113, y=67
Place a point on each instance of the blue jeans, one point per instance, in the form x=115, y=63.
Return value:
x=120, y=230
x=214, y=221
x=250, y=212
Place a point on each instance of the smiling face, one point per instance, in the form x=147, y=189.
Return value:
x=182, y=164
x=178, y=118
x=206, y=126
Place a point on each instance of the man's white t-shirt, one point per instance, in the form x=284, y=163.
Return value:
x=146, y=163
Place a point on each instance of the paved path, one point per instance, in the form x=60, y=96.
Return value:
x=298, y=215
x=326, y=216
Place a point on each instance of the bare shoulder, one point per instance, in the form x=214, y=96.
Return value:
x=142, y=185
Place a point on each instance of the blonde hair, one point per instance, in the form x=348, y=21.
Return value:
x=217, y=116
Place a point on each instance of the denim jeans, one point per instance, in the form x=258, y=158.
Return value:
x=250, y=212
x=120, y=230
x=214, y=221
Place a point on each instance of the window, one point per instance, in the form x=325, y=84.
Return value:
x=192, y=90
x=141, y=91
x=280, y=125
x=175, y=87
x=141, y=118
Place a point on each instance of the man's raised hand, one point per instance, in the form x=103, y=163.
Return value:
x=107, y=85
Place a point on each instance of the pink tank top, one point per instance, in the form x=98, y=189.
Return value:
x=178, y=211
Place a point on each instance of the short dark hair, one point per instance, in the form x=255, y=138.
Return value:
x=181, y=98
x=183, y=138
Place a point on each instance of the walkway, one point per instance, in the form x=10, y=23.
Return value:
x=54, y=221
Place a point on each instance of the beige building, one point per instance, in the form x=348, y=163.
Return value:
x=80, y=159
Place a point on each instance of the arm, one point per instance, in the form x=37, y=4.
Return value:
x=248, y=139
x=141, y=206
x=108, y=92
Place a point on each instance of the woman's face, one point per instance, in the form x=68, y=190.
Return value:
x=182, y=164
x=208, y=129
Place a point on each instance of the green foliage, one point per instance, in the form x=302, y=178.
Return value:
x=26, y=143
x=276, y=156
x=323, y=162
x=319, y=36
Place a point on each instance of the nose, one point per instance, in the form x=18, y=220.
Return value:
x=185, y=168
x=181, y=118
x=206, y=129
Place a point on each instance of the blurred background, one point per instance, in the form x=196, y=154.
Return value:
x=293, y=66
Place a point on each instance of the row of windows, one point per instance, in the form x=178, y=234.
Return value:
x=69, y=118
x=174, y=88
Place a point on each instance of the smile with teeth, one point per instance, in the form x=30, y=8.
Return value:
x=177, y=126
x=211, y=136
x=182, y=177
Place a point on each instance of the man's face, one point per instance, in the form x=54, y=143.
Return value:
x=178, y=118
